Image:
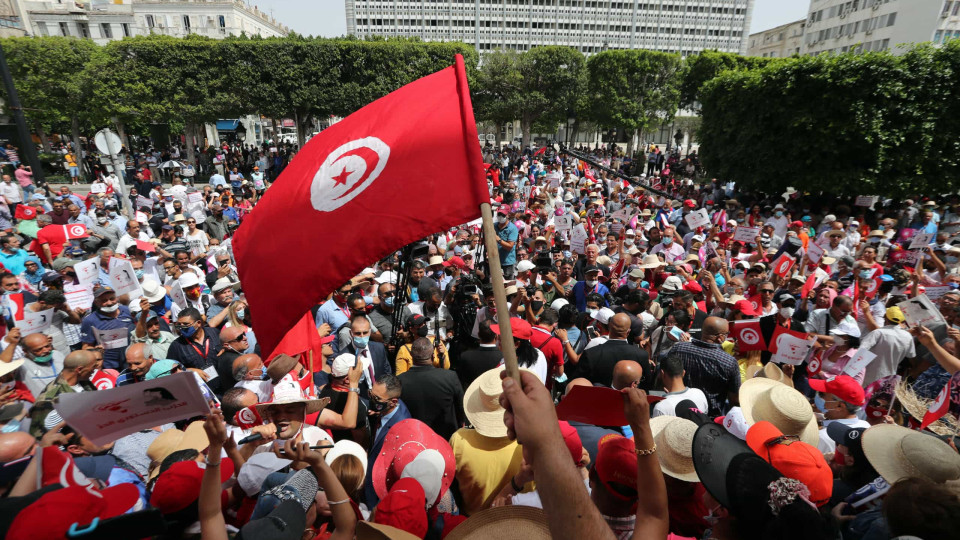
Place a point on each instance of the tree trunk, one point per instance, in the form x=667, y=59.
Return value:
x=44, y=141
x=525, y=126
x=122, y=133
x=300, y=129
x=573, y=136
x=190, y=131
x=630, y=141
x=496, y=135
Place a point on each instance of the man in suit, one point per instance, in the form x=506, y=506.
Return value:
x=475, y=362
x=386, y=410
x=373, y=355
x=597, y=363
x=433, y=395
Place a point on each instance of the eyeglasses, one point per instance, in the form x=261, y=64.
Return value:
x=189, y=221
x=766, y=291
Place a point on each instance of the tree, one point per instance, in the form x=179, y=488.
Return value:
x=634, y=89
x=708, y=64
x=47, y=71
x=538, y=86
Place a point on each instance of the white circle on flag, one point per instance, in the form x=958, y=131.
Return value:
x=784, y=266
x=347, y=171
x=103, y=384
x=941, y=399
x=813, y=367
x=246, y=416
x=76, y=230
x=750, y=336
x=874, y=284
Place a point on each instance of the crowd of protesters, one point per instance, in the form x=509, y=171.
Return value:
x=403, y=424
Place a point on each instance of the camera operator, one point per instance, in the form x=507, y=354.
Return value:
x=463, y=298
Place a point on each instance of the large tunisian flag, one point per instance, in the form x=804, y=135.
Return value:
x=404, y=166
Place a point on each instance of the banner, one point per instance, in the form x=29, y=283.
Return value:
x=746, y=234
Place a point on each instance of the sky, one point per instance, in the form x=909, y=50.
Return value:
x=326, y=17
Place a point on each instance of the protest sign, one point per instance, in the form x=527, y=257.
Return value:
x=778, y=334
x=80, y=297
x=616, y=227
x=123, y=279
x=144, y=202
x=859, y=361
x=783, y=265
x=115, y=338
x=562, y=223
x=698, y=218
x=578, y=240
x=865, y=200
x=145, y=246
x=98, y=188
x=620, y=215
x=34, y=322
x=792, y=350
x=176, y=294
x=921, y=240
x=88, y=271
x=107, y=415
x=814, y=252
x=920, y=311
x=934, y=293
x=746, y=234
x=195, y=198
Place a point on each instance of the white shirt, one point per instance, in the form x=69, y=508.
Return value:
x=668, y=406
x=599, y=340
x=11, y=190
x=539, y=368
x=828, y=445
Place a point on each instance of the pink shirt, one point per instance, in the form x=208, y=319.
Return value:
x=24, y=177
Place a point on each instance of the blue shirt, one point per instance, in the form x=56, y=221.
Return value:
x=580, y=292
x=112, y=358
x=217, y=180
x=509, y=233
x=14, y=262
x=331, y=314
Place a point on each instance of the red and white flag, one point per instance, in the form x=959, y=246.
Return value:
x=783, y=265
x=942, y=404
x=73, y=231
x=355, y=177
x=748, y=335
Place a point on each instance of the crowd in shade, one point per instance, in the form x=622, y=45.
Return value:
x=695, y=362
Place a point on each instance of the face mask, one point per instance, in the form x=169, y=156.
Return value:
x=591, y=283
x=188, y=332
x=952, y=260
x=263, y=373
x=820, y=404
x=778, y=213
x=593, y=312
x=377, y=406
x=873, y=240
x=388, y=301
x=110, y=309
x=880, y=227
x=101, y=221
x=865, y=275
x=139, y=274
x=241, y=313
x=45, y=359
x=953, y=285
x=628, y=242
x=786, y=312
x=667, y=241
x=740, y=220
x=361, y=342
x=537, y=305
x=194, y=293
x=501, y=219
x=112, y=214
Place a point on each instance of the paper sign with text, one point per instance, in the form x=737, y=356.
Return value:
x=746, y=234
x=865, y=200
x=920, y=311
x=176, y=294
x=921, y=240
x=144, y=202
x=792, y=350
x=859, y=361
x=562, y=223
x=814, y=252
x=934, y=293
x=88, y=271
x=116, y=338
x=578, y=239
x=123, y=279
x=35, y=321
x=698, y=218
x=98, y=188
x=107, y=415
x=80, y=298
x=195, y=198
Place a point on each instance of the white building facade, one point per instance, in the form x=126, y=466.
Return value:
x=107, y=20
x=838, y=26
x=676, y=26
x=780, y=42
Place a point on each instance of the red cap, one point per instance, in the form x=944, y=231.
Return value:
x=844, y=387
x=690, y=203
x=572, y=439
x=51, y=515
x=521, y=328
x=692, y=286
x=745, y=307
x=455, y=261
x=796, y=224
x=177, y=487
x=404, y=507
x=617, y=462
x=327, y=339
x=794, y=459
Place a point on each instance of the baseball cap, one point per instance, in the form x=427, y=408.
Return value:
x=844, y=387
x=785, y=297
x=342, y=364
x=617, y=464
x=455, y=261
x=591, y=268
x=53, y=514
x=102, y=291
x=415, y=319
x=690, y=203
x=895, y=314
x=404, y=507
x=794, y=459
x=525, y=265
x=843, y=434
x=603, y=315
x=745, y=307
x=177, y=487
x=286, y=521
x=671, y=284
x=572, y=439
x=160, y=368
x=692, y=286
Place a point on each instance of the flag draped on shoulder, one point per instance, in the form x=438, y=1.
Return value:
x=373, y=171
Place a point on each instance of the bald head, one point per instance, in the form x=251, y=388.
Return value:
x=37, y=345
x=139, y=358
x=15, y=445
x=230, y=334
x=579, y=381
x=715, y=329
x=78, y=359
x=619, y=326
x=247, y=367
x=626, y=374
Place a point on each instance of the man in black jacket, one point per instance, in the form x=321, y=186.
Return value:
x=475, y=362
x=784, y=318
x=596, y=364
x=433, y=395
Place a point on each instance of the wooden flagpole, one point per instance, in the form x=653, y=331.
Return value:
x=499, y=293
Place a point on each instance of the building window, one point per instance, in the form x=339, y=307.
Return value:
x=42, y=29
x=892, y=19
x=150, y=22
x=106, y=31
x=84, y=29
x=223, y=21
x=186, y=22
x=64, y=29
x=938, y=36
x=126, y=29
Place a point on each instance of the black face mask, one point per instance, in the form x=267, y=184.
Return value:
x=536, y=305
x=377, y=406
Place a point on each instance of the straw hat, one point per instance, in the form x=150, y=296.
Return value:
x=769, y=371
x=481, y=404
x=367, y=530
x=173, y=440
x=288, y=391
x=651, y=261
x=897, y=452
x=674, y=439
x=782, y=406
x=9, y=367
x=503, y=522
x=835, y=232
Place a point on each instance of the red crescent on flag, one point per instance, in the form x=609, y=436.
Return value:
x=369, y=157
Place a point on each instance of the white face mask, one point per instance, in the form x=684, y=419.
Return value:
x=786, y=312
x=591, y=283
x=628, y=242
x=110, y=309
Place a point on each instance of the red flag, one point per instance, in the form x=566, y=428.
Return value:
x=783, y=265
x=756, y=303
x=145, y=246
x=540, y=151
x=57, y=467
x=588, y=174
x=780, y=331
x=15, y=303
x=590, y=233
x=247, y=418
x=74, y=231
x=748, y=335
x=103, y=380
x=352, y=178
x=301, y=338
x=25, y=212
x=941, y=405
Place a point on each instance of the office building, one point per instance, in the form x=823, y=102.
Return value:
x=780, y=42
x=676, y=26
